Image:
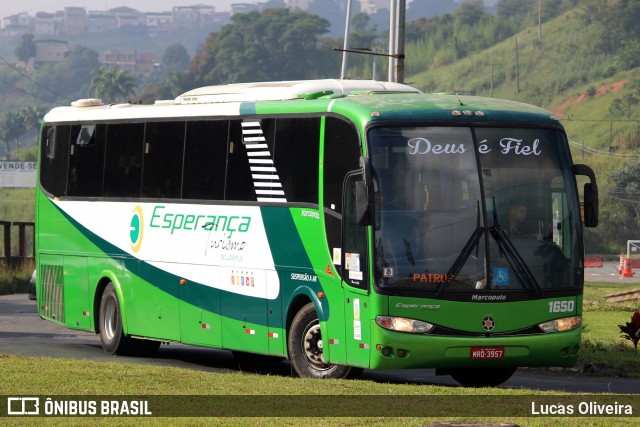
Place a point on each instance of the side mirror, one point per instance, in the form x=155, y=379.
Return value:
x=590, y=205
x=365, y=195
x=590, y=195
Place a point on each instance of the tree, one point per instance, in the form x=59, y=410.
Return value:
x=26, y=49
x=112, y=84
x=175, y=59
x=32, y=116
x=277, y=44
x=627, y=186
x=70, y=78
x=11, y=129
x=470, y=14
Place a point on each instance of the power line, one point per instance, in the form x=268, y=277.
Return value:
x=24, y=92
x=13, y=67
x=597, y=152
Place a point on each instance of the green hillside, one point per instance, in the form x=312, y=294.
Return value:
x=595, y=92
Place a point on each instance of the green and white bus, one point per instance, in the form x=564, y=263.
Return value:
x=342, y=224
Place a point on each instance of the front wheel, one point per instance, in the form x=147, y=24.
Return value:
x=306, y=348
x=478, y=377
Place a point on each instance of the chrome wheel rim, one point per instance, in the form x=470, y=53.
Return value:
x=110, y=320
x=313, y=346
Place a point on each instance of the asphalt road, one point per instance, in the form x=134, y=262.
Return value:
x=609, y=273
x=22, y=332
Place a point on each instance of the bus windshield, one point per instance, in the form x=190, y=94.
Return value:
x=474, y=209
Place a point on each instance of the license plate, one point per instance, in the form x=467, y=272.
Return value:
x=487, y=352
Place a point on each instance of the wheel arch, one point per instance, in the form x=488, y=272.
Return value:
x=299, y=298
x=107, y=277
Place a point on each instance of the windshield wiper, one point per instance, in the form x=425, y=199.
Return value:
x=460, y=261
x=505, y=245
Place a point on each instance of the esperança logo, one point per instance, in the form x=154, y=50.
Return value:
x=136, y=229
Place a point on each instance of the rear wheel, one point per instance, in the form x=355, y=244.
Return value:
x=110, y=322
x=306, y=348
x=478, y=377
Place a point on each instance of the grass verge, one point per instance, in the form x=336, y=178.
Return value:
x=15, y=279
x=62, y=377
x=601, y=339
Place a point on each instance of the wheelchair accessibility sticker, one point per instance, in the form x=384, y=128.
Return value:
x=501, y=276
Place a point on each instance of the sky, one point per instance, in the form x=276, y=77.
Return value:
x=10, y=7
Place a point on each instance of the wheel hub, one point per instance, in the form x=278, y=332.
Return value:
x=312, y=343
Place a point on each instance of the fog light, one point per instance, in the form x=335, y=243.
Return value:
x=387, y=351
x=402, y=353
x=564, y=352
x=575, y=349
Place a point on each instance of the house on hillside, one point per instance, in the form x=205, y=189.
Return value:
x=133, y=62
x=101, y=21
x=50, y=51
x=128, y=16
x=45, y=24
x=75, y=20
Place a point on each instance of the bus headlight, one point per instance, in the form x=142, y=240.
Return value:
x=561, y=325
x=402, y=324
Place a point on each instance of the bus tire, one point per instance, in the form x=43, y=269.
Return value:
x=110, y=323
x=305, y=348
x=479, y=377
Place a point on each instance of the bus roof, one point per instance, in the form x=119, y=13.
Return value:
x=346, y=97
x=277, y=91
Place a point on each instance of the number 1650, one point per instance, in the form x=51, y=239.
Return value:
x=561, y=306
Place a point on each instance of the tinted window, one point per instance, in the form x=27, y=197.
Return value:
x=205, y=160
x=239, y=182
x=86, y=160
x=341, y=155
x=296, y=157
x=54, y=159
x=123, y=160
x=163, y=149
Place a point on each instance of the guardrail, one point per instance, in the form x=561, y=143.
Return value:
x=632, y=295
x=22, y=240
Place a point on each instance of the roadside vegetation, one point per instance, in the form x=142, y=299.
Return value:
x=603, y=350
x=82, y=378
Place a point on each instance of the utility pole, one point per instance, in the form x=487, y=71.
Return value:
x=392, y=38
x=517, y=71
x=397, y=18
x=491, y=88
x=343, y=73
x=539, y=20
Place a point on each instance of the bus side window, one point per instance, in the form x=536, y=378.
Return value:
x=239, y=181
x=86, y=161
x=296, y=156
x=205, y=159
x=55, y=160
x=163, y=156
x=123, y=160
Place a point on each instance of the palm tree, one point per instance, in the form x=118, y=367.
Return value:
x=112, y=84
x=11, y=129
x=32, y=116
